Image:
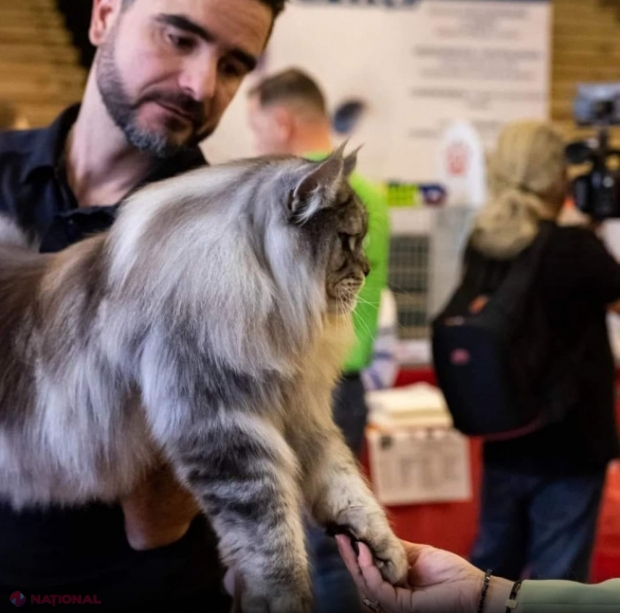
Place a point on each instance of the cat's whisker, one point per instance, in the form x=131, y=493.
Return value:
x=368, y=302
x=359, y=319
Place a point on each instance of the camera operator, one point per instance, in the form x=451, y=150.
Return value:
x=542, y=490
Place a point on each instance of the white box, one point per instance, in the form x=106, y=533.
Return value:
x=414, y=406
x=415, y=466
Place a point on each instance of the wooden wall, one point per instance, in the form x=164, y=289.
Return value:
x=585, y=48
x=39, y=68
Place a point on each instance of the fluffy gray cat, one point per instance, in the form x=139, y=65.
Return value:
x=208, y=326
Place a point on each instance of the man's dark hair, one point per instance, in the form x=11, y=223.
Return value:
x=277, y=6
x=291, y=84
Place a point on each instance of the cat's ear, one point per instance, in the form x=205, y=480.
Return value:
x=350, y=162
x=317, y=188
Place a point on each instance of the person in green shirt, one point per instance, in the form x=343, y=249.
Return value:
x=288, y=115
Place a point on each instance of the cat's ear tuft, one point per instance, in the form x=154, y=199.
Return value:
x=317, y=188
x=350, y=162
x=339, y=151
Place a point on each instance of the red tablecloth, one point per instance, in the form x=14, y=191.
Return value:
x=453, y=526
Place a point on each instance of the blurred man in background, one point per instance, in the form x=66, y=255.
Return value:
x=288, y=115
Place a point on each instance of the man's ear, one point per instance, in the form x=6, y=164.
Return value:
x=317, y=188
x=104, y=16
x=282, y=121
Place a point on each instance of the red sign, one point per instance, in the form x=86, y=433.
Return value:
x=458, y=158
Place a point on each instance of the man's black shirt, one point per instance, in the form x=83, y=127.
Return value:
x=34, y=189
x=84, y=551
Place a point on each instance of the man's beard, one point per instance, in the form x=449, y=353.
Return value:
x=124, y=112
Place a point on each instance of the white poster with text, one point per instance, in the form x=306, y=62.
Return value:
x=416, y=66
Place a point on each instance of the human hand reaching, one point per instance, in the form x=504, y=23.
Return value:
x=439, y=582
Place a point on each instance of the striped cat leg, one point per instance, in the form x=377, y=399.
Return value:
x=340, y=497
x=245, y=476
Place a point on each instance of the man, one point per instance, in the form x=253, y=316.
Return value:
x=164, y=72
x=288, y=115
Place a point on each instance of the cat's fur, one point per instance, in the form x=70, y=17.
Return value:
x=209, y=326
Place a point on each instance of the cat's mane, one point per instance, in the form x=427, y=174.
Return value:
x=254, y=311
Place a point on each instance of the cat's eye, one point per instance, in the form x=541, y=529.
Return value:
x=347, y=241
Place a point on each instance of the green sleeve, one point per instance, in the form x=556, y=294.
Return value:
x=568, y=597
x=377, y=244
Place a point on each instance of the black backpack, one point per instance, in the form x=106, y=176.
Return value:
x=497, y=365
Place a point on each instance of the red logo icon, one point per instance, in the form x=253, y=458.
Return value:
x=458, y=159
x=460, y=357
x=18, y=599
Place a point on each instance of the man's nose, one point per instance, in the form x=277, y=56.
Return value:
x=199, y=79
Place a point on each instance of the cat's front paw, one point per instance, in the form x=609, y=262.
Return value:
x=391, y=559
x=373, y=529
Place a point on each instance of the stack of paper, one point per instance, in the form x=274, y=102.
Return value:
x=414, y=466
x=414, y=406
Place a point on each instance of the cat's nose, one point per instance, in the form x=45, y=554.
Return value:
x=365, y=267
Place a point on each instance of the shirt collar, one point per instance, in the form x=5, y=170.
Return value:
x=316, y=156
x=49, y=143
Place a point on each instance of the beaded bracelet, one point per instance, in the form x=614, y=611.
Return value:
x=511, y=603
x=485, y=589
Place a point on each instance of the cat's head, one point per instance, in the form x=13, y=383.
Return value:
x=249, y=237
x=326, y=225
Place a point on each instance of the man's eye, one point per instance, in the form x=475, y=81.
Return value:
x=181, y=42
x=232, y=69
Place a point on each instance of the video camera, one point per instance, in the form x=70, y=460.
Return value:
x=597, y=192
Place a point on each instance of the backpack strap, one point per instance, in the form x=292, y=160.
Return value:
x=523, y=273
